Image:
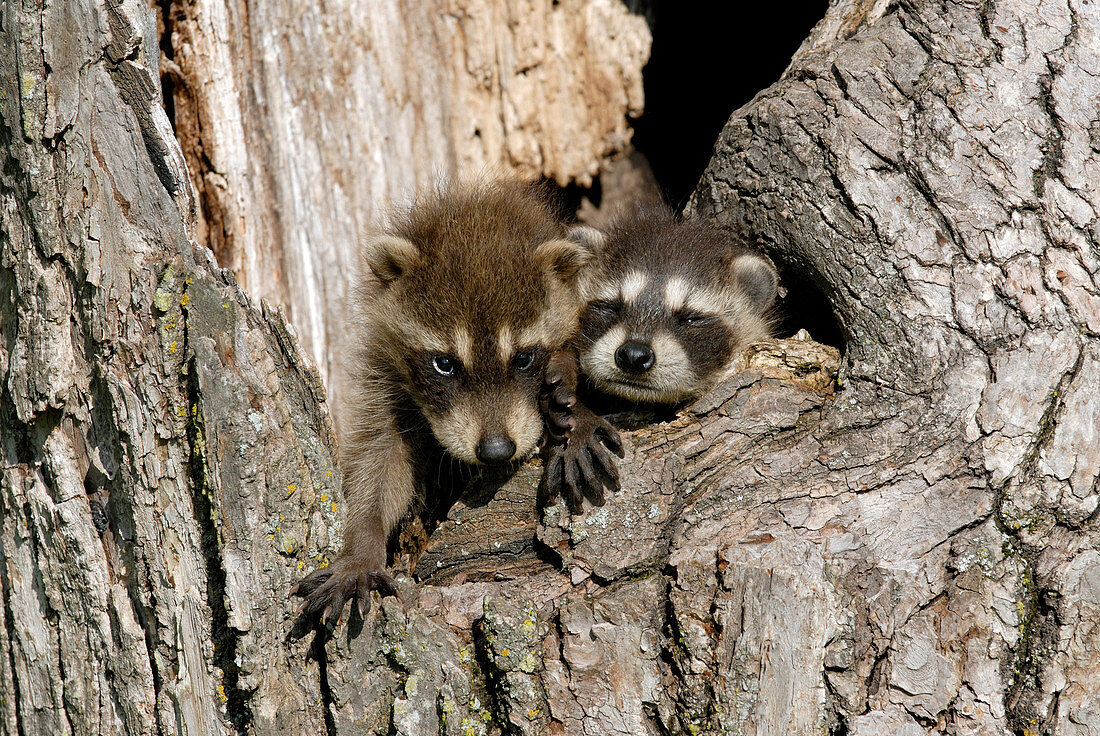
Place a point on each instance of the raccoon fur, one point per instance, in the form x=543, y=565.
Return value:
x=669, y=303
x=474, y=288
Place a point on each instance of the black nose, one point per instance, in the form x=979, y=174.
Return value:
x=634, y=357
x=495, y=450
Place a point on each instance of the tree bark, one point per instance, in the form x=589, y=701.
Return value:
x=914, y=553
x=935, y=172
x=303, y=123
x=167, y=466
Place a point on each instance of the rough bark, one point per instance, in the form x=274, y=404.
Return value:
x=303, y=122
x=164, y=448
x=935, y=172
x=913, y=554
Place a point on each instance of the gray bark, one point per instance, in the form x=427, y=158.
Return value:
x=164, y=449
x=936, y=173
x=914, y=553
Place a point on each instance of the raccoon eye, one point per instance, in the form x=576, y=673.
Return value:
x=445, y=365
x=606, y=307
x=695, y=319
x=524, y=360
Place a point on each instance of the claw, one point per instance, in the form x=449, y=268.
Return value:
x=553, y=474
x=579, y=444
x=326, y=591
x=610, y=437
x=584, y=462
x=572, y=484
x=606, y=465
x=559, y=420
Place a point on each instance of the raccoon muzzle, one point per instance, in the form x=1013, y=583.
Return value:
x=495, y=449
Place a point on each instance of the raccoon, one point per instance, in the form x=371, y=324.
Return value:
x=474, y=288
x=669, y=304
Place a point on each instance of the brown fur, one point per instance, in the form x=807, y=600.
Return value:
x=482, y=276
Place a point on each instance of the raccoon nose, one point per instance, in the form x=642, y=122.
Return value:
x=634, y=357
x=495, y=450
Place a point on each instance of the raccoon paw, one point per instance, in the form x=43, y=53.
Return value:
x=558, y=397
x=327, y=590
x=581, y=466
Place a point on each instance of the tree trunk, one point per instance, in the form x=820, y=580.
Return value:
x=936, y=531
x=303, y=123
x=916, y=553
x=167, y=466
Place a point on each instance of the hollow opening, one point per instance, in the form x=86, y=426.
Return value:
x=167, y=78
x=805, y=306
x=708, y=60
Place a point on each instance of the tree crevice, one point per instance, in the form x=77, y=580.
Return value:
x=225, y=640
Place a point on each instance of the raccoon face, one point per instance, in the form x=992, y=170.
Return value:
x=481, y=404
x=662, y=338
x=472, y=303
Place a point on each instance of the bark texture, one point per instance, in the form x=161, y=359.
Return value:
x=937, y=533
x=303, y=122
x=164, y=448
x=915, y=553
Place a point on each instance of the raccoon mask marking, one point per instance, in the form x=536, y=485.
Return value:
x=669, y=304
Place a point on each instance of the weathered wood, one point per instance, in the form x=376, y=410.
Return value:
x=303, y=122
x=164, y=450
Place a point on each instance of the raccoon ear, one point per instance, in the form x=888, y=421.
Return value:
x=588, y=236
x=756, y=275
x=388, y=257
x=563, y=258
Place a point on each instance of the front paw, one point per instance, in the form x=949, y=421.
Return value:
x=580, y=465
x=556, y=400
x=328, y=589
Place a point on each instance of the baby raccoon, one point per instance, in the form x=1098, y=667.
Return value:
x=474, y=288
x=670, y=303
